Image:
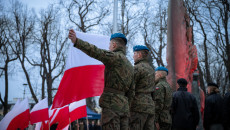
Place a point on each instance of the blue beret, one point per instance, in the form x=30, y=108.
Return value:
x=161, y=68
x=118, y=35
x=140, y=47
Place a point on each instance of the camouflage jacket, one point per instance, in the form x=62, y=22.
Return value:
x=144, y=87
x=163, y=100
x=118, y=77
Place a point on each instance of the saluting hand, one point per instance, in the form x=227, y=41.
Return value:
x=72, y=35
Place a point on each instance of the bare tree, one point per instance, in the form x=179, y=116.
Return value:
x=193, y=10
x=211, y=20
x=130, y=18
x=85, y=14
x=154, y=31
x=219, y=13
x=6, y=57
x=52, y=49
x=21, y=31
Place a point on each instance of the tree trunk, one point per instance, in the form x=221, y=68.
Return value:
x=225, y=22
x=122, y=17
x=201, y=79
x=28, y=81
x=49, y=88
x=43, y=86
x=6, y=89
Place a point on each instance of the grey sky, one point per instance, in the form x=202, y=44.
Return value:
x=17, y=79
x=38, y=4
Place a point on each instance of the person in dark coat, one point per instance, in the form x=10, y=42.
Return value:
x=213, y=108
x=98, y=126
x=92, y=125
x=226, y=111
x=185, y=113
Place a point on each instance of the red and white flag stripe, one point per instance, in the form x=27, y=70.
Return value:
x=40, y=112
x=18, y=117
x=77, y=110
x=84, y=76
x=61, y=115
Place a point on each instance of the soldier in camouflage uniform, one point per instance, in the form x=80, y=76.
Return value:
x=163, y=100
x=142, y=107
x=119, y=87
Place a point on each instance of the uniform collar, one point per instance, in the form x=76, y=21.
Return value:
x=161, y=79
x=120, y=49
x=141, y=60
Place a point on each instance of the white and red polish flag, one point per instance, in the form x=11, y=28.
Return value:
x=39, y=112
x=84, y=76
x=44, y=125
x=16, y=104
x=63, y=118
x=77, y=110
x=60, y=116
x=38, y=126
x=18, y=117
x=66, y=128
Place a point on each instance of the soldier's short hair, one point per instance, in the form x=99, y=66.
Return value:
x=144, y=53
x=120, y=41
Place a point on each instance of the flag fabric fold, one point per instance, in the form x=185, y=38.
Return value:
x=38, y=126
x=83, y=76
x=77, y=110
x=40, y=112
x=60, y=116
x=18, y=117
x=63, y=116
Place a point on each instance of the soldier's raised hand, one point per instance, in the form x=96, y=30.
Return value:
x=72, y=35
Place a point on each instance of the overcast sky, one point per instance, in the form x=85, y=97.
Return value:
x=17, y=79
x=38, y=4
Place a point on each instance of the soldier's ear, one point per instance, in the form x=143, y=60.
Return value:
x=114, y=45
x=139, y=54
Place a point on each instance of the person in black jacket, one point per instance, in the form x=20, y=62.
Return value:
x=185, y=113
x=213, y=108
x=226, y=111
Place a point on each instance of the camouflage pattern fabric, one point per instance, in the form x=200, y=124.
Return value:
x=144, y=87
x=119, y=86
x=163, y=100
x=142, y=106
x=141, y=121
x=112, y=121
x=164, y=126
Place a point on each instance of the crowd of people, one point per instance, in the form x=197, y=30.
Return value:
x=140, y=98
x=86, y=125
